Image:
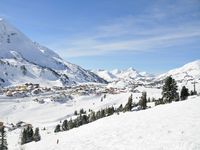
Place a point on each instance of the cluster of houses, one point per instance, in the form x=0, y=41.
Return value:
x=24, y=90
x=60, y=93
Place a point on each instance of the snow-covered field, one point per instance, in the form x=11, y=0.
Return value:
x=166, y=127
x=171, y=126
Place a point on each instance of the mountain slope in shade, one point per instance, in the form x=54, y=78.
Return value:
x=16, y=47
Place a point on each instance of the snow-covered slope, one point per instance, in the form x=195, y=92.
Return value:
x=15, y=45
x=117, y=74
x=185, y=75
x=105, y=74
x=189, y=71
x=129, y=73
x=125, y=78
x=162, y=127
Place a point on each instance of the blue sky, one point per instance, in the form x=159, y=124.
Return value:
x=152, y=36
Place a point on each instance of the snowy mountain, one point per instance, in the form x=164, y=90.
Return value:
x=105, y=74
x=129, y=73
x=18, y=53
x=190, y=71
x=117, y=74
x=185, y=75
x=125, y=78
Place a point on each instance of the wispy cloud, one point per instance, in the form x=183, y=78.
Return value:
x=157, y=28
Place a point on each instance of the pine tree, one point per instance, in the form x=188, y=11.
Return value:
x=98, y=114
x=29, y=133
x=120, y=108
x=3, y=141
x=184, y=93
x=71, y=124
x=82, y=111
x=78, y=121
x=110, y=111
x=36, y=135
x=169, y=90
x=24, y=70
x=128, y=106
x=23, y=137
x=143, y=100
x=75, y=112
x=92, y=117
x=103, y=113
x=57, y=129
x=65, y=125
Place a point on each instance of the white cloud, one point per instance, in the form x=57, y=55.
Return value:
x=155, y=29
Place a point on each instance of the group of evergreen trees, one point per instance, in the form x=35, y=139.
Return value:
x=169, y=92
x=82, y=118
x=28, y=135
x=3, y=141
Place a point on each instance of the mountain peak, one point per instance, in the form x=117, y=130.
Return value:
x=14, y=45
x=131, y=69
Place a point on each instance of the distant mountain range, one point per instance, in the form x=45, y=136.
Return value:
x=184, y=75
x=22, y=60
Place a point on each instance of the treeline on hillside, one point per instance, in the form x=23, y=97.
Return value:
x=83, y=118
x=169, y=94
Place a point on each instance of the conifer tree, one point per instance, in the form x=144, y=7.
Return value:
x=3, y=141
x=75, y=112
x=82, y=111
x=71, y=124
x=92, y=117
x=57, y=129
x=143, y=100
x=27, y=135
x=65, y=125
x=29, y=132
x=98, y=114
x=110, y=111
x=23, y=137
x=169, y=90
x=84, y=119
x=128, y=106
x=102, y=113
x=184, y=93
x=36, y=135
x=120, y=108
